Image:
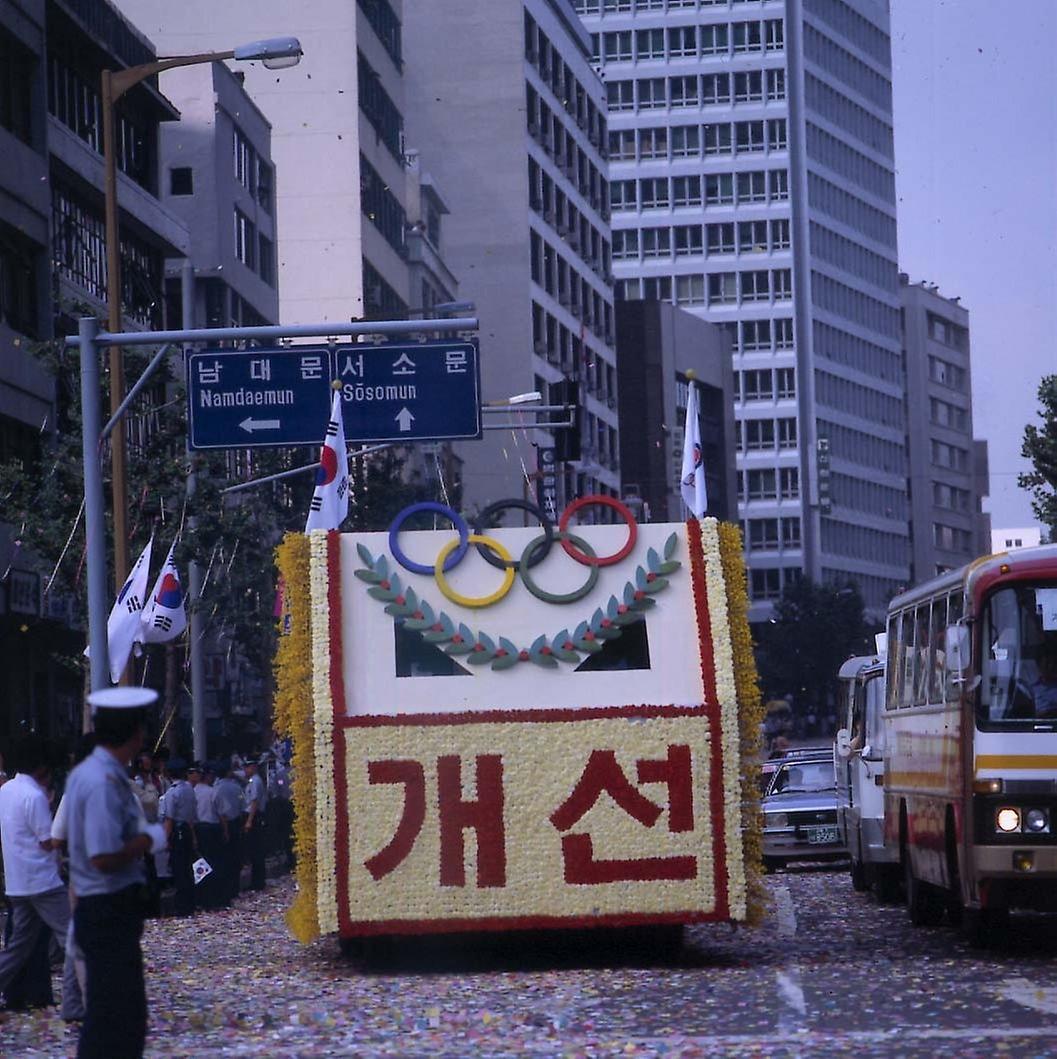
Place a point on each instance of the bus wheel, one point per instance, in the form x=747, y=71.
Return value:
x=922, y=907
x=859, y=882
x=886, y=884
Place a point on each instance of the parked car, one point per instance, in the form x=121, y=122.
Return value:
x=800, y=810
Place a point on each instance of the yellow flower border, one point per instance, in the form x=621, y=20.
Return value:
x=293, y=719
x=750, y=716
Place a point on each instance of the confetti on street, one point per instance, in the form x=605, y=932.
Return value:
x=841, y=976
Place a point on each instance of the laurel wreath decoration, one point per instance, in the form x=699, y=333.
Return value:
x=479, y=649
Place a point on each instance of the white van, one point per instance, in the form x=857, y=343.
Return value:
x=859, y=760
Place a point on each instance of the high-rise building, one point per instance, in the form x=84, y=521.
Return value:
x=752, y=183
x=945, y=507
x=504, y=103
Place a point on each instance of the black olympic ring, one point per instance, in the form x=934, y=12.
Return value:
x=482, y=524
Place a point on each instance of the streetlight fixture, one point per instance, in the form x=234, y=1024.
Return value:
x=276, y=53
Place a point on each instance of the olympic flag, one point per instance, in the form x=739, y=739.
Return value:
x=330, y=501
x=123, y=625
x=165, y=616
x=692, y=480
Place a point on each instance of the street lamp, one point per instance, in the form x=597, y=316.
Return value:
x=276, y=54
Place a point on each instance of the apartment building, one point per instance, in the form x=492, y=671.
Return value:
x=944, y=498
x=752, y=183
x=503, y=101
x=53, y=270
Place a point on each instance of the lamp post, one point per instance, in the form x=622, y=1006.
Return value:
x=276, y=53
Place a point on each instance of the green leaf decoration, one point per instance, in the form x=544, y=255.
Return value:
x=511, y=656
x=537, y=644
x=412, y=599
x=670, y=545
x=613, y=608
x=655, y=586
x=365, y=556
x=580, y=630
x=653, y=561
x=428, y=614
x=645, y=603
x=432, y=636
x=486, y=641
x=629, y=617
x=480, y=658
x=367, y=575
x=629, y=595
x=668, y=568
x=381, y=567
x=640, y=577
x=547, y=661
x=386, y=595
x=591, y=647
x=463, y=648
x=398, y=610
x=559, y=649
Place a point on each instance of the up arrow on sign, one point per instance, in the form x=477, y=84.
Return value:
x=250, y=425
x=404, y=419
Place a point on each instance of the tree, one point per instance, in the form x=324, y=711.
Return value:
x=1040, y=447
x=815, y=628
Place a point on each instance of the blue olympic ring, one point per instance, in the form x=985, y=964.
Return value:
x=457, y=521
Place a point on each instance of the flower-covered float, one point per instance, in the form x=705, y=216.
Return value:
x=519, y=727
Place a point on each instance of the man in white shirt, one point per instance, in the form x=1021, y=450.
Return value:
x=31, y=872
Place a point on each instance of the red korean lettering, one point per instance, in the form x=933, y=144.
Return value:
x=485, y=816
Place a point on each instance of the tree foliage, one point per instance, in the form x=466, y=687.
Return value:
x=1040, y=447
x=814, y=630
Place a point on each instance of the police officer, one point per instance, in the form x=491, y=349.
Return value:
x=107, y=836
x=253, y=828
x=179, y=814
x=207, y=830
x=229, y=805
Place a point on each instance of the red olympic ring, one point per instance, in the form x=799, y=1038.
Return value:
x=601, y=501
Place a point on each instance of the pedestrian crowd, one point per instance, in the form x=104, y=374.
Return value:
x=85, y=866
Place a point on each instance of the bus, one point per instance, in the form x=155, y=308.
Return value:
x=971, y=741
x=859, y=763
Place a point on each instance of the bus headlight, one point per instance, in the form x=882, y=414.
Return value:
x=1036, y=820
x=1007, y=820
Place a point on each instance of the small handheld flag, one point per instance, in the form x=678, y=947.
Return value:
x=165, y=616
x=692, y=480
x=330, y=501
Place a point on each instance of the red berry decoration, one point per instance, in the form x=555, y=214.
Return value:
x=501, y=653
x=455, y=639
x=622, y=609
x=545, y=650
x=386, y=585
x=478, y=647
x=589, y=636
x=400, y=601
x=568, y=645
x=640, y=594
x=651, y=577
x=606, y=623
x=523, y=656
x=437, y=627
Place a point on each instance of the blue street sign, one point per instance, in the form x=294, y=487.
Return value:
x=281, y=397
x=422, y=391
x=260, y=397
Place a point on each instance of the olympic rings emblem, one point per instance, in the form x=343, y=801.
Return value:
x=495, y=554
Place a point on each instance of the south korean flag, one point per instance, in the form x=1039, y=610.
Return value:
x=123, y=625
x=330, y=501
x=165, y=617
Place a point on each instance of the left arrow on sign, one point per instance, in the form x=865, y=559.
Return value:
x=250, y=425
x=404, y=419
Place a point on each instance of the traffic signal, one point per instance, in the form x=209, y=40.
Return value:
x=567, y=439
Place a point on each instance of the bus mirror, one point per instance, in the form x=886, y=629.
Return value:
x=957, y=651
x=844, y=743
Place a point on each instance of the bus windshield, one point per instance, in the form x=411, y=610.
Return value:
x=1019, y=655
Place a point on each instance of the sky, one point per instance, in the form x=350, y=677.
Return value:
x=975, y=99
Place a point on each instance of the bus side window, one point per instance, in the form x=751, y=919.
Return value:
x=921, y=656
x=936, y=656
x=895, y=663
x=907, y=636
x=954, y=614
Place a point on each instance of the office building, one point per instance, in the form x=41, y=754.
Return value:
x=505, y=106
x=659, y=346
x=944, y=502
x=752, y=183
x=218, y=177
x=1004, y=540
x=53, y=270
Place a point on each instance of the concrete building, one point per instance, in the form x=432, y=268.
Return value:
x=505, y=106
x=657, y=345
x=752, y=182
x=52, y=270
x=945, y=507
x=982, y=488
x=1004, y=540
x=219, y=179
x=337, y=142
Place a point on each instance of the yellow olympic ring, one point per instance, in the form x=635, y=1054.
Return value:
x=475, y=601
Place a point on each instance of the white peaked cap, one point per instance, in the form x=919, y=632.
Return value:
x=122, y=698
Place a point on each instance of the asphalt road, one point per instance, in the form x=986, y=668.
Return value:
x=829, y=973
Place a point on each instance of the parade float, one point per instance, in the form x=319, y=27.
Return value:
x=499, y=729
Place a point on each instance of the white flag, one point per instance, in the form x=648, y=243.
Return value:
x=330, y=501
x=164, y=616
x=123, y=625
x=692, y=481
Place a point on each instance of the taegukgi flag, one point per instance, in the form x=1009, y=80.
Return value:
x=123, y=626
x=330, y=501
x=692, y=480
x=165, y=615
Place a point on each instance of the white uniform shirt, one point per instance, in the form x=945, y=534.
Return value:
x=207, y=811
x=25, y=822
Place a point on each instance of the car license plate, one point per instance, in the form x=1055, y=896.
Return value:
x=819, y=836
